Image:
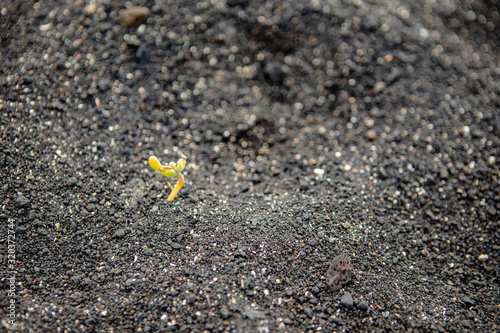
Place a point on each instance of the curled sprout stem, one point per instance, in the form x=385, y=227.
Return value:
x=177, y=188
x=172, y=169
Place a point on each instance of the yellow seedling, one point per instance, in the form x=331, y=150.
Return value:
x=172, y=169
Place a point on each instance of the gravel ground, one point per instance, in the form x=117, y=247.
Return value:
x=342, y=166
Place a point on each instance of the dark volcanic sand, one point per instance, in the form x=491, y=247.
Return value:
x=313, y=129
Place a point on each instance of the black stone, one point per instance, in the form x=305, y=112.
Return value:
x=22, y=201
x=347, y=300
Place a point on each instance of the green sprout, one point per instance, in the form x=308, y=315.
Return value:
x=172, y=169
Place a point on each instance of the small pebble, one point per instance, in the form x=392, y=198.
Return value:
x=88, y=282
x=90, y=9
x=340, y=272
x=363, y=305
x=378, y=87
x=302, y=254
x=134, y=16
x=224, y=312
x=46, y=27
x=21, y=229
x=483, y=257
x=371, y=134
x=75, y=279
x=22, y=201
x=319, y=172
x=347, y=300
x=71, y=181
x=119, y=233
x=102, y=85
x=191, y=298
x=174, y=245
x=468, y=301
x=132, y=40
x=142, y=54
x=253, y=314
x=443, y=173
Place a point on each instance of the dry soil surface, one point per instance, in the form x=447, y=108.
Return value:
x=342, y=166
